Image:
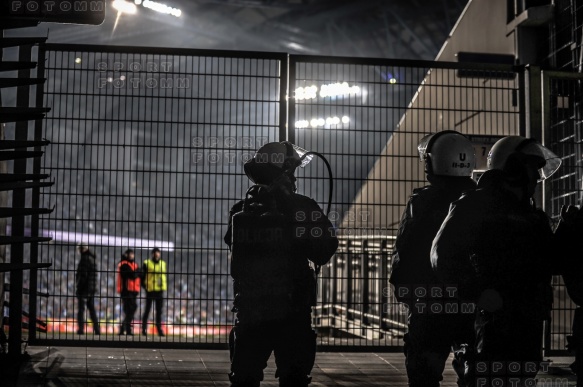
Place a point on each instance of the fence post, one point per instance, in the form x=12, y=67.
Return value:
x=534, y=114
x=34, y=220
x=365, y=282
x=384, y=313
x=348, y=282
x=291, y=99
x=285, y=131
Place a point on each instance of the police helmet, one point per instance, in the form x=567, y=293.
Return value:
x=511, y=150
x=447, y=153
x=273, y=159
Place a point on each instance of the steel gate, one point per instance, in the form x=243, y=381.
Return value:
x=147, y=147
x=367, y=116
x=562, y=119
x=146, y=151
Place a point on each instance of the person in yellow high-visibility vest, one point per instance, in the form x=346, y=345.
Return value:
x=154, y=281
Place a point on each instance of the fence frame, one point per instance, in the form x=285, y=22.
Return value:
x=532, y=117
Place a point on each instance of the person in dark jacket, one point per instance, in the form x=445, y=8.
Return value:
x=273, y=235
x=449, y=162
x=86, y=285
x=500, y=251
x=128, y=287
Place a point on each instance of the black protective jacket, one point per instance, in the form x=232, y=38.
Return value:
x=571, y=267
x=423, y=216
x=274, y=279
x=86, y=281
x=491, y=240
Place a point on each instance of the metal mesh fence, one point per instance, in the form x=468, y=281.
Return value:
x=146, y=151
x=562, y=108
x=367, y=117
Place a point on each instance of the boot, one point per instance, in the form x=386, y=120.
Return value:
x=160, y=332
x=247, y=382
x=295, y=381
x=122, y=330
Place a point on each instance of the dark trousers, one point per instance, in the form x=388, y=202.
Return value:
x=129, y=306
x=576, y=343
x=510, y=339
x=88, y=301
x=293, y=342
x=158, y=298
x=428, y=344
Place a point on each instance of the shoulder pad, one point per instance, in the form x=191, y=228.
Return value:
x=424, y=193
x=237, y=207
x=420, y=190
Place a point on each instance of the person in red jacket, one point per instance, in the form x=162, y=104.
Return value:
x=128, y=286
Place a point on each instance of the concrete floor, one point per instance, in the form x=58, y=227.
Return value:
x=66, y=366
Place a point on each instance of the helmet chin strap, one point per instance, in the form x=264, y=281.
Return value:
x=285, y=180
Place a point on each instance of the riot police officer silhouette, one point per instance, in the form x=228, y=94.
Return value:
x=500, y=251
x=274, y=234
x=449, y=162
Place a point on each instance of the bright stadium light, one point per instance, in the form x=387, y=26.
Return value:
x=162, y=8
x=321, y=122
x=123, y=6
x=330, y=90
x=302, y=124
x=308, y=92
x=338, y=89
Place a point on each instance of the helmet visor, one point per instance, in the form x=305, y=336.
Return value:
x=552, y=163
x=302, y=152
x=422, y=147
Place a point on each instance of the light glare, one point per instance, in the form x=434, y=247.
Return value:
x=321, y=122
x=162, y=8
x=124, y=7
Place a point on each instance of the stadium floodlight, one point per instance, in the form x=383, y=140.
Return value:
x=338, y=89
x=308, y=92
x=321, y=122
x=302, y=124
x=123, y=6
x=160, y=7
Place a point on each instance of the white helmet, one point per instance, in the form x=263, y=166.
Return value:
x=273, y=159
x=529, y=150
x=447, y=153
